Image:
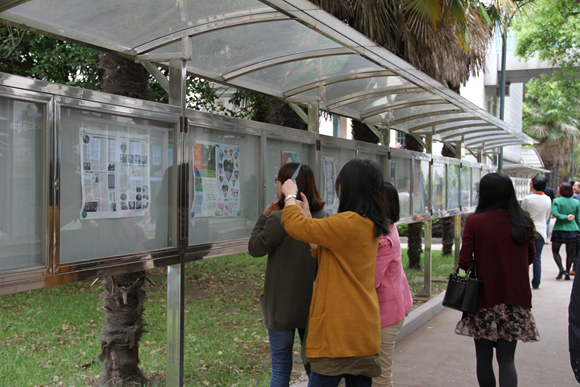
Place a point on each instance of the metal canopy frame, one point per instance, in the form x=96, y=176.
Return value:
x=286, y=48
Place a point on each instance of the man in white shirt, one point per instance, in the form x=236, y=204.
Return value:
x=539, y=206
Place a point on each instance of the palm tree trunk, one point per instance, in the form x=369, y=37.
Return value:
x=415, y=241
x=123, y=301
x=123, y=297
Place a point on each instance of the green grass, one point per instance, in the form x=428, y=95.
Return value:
x=50, y=337
x=441, y=267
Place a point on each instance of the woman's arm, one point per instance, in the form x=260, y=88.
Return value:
x=266, y=235
x=531, y=251
x=467, y=246
x=385, y=256
x=556, y=211
x=577, y=215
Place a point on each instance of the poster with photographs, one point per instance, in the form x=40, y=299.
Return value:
x=114, y=175
x=204, y=171
x=329, y=177
x=217, y=180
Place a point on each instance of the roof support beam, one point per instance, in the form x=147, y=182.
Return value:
x=427, y=115
x=441, y=122
x=460, y=128
x=402, y=105
x=260, y=65
x=329, y=80
x=228, y=20
x=364, y=95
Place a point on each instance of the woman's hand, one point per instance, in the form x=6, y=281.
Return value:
x=289, y=188
x=304, y=206
x=570, y=217
x=273, y=207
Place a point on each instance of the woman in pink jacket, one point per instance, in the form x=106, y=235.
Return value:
x=392, y=289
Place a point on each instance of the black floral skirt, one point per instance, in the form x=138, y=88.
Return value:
x=507, y=322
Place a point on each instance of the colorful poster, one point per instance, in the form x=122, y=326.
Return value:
x=217, y=180
x=329, y=178
x=115, y=179
x=289, y=157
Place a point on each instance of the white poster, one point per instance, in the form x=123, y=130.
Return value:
x=329, y=178
x=115, y=174
x=217, y=180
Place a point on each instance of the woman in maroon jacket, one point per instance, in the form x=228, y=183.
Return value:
x=499, y=237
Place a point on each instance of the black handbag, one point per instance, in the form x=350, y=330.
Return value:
x=463, y=292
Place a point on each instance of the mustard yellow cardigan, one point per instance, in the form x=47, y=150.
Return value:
x=344, y=319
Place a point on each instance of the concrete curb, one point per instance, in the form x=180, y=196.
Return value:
x=420, y=316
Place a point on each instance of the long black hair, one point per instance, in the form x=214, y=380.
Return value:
x=393, y=202
x=497, y=191
x=360, y=187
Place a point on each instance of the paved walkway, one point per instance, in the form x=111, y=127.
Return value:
x=433, y=356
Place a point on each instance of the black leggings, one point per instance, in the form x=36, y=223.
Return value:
x=570, y=255
x=504, y=352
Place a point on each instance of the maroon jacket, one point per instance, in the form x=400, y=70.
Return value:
x=500, y=263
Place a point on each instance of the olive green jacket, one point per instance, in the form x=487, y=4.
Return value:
x=290, y=273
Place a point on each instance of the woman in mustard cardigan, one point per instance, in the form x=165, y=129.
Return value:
x=343, y=337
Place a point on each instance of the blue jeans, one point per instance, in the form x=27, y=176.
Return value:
x=539, y=243
x=281, y=345
x=317, y=380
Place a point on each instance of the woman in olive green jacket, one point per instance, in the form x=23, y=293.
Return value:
x=290, y=274
x=566, y=210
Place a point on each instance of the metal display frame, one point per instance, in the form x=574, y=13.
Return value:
x=56, y=97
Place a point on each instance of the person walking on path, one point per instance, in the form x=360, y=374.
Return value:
x=567, y=213
x=290, y=273
x=392, y=289
x=539, y=206
x=343, y=339
x=499, y=240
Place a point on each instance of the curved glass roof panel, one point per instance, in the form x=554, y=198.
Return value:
x=341, y=90
x=286, y=48
x=130, y=23
x=228, y=50
x=431, y=119
x=299, y=77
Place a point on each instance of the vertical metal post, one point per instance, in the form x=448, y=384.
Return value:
x=427, y=261
x=457, y=238
x=428, y=251
x=313, y=124
x=176, y=273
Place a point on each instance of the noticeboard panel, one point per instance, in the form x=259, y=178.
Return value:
x=331, y=162
x=401, y=178
x=453, y=186
x=421, y=187
x=439, y=186
x=224, y=191
x=281, y=152
x=22, y=203
x=465, y=186
x=117, y=193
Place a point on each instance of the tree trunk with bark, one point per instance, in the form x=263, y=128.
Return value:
x=448, y=224
x=415, y=230
x=123, y=297
x=124, y=302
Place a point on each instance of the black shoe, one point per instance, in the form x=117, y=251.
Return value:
x=567, y=276
x=562, y=272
